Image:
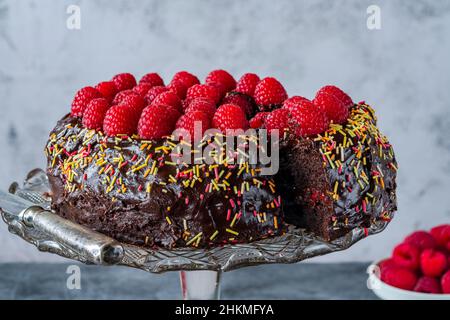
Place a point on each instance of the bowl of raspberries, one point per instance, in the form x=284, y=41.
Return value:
x=419, y=268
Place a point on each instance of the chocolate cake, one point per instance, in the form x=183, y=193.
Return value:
x=115, y=165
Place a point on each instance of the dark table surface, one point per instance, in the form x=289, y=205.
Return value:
x=299, y=281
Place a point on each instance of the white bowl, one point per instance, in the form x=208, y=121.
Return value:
x=387, y=292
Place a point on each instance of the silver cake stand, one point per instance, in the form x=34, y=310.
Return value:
x=26, y=211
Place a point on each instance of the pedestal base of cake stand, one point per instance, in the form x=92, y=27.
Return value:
x=200, y=285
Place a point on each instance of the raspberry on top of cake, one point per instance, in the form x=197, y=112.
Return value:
x=113, y=166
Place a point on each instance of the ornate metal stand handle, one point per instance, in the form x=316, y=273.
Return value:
x=90, y=246
x=97, y=248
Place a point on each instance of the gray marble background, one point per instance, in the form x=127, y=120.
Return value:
x=403, y=70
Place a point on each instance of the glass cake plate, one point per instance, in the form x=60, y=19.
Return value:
x=26, y=211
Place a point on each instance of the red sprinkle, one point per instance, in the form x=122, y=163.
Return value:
x=228, y=214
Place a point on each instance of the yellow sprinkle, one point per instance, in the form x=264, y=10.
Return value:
x=330, y=161
x=139, y=168
x=152, y=170
x=232, y=232
x=360, y=184
x=336, y=184
x=214, y=235
x=234, y=220
x=194, y=238
x=275, y=222
x=168, y=220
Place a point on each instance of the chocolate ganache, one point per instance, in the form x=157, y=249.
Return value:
x=132, y=190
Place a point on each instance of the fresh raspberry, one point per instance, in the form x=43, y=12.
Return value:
x=407, y=256
x=221, y=89
x=229, y=116
x=189, y=120
x=179, y=88
x=442, y=235
x=152, y=79
x=222, y=77
x=339, y=94
x=142, y=88
x=336, y=111
x=95, y=113
x=295, y=102
x=203, y=91
x=421, y=239
x=247, y=84
x=153, y=93
x=122, y=94
x=82, y=98
x=277, y=120
x=202, y=104
x=107, y=89
x=130, y=98
x=242, y=100
x=186, y=78
x=400, y=278
x=169, y=98
x=156, y=122
x=307, y=120
x=433, y=263
x=269, y=93
x=387, y=264
x=428, y=285
x=124, y=81
x=258, y=120
x=120, y=119
x=445, y=282
x=135, y=102
x=173, y=114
